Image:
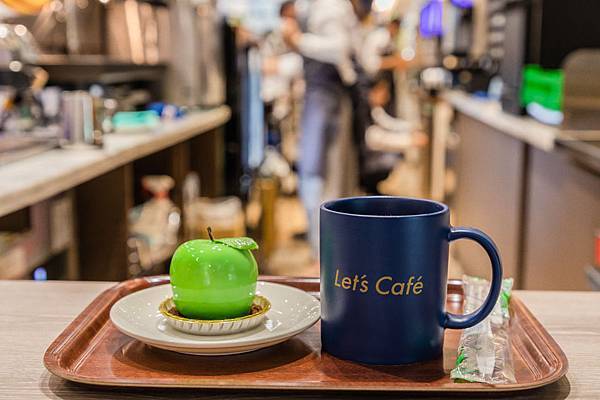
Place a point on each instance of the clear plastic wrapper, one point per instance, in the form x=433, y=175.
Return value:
x=484, y=353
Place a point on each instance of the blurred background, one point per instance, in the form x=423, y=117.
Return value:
x=129, y=126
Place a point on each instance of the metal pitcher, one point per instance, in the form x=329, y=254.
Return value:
x=79, y=125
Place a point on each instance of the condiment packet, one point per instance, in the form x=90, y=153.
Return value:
x=484, y=353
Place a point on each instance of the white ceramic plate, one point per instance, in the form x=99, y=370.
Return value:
x=292, y=311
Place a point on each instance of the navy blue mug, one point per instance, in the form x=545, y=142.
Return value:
x=384, y=268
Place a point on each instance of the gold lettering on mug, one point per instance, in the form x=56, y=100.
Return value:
x=378, y=285
x=384, y=286
x=398, y=288
x=346, y=282
x=337, y=273
x=355, y=283
x=418, y=286
x=364, y=285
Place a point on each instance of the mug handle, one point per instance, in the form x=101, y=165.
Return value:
x=455, y=321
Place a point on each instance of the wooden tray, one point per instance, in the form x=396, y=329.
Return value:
x=91, y=350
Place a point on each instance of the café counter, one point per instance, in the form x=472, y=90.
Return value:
x=73, y=203
x=34, y=313
x=515, y=181
x=36, y=178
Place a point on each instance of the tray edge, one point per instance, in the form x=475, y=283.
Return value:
x=68, y=335
x=90, y=313
x=552, y=345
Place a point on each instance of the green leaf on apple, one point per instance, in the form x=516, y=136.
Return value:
x=240, y=243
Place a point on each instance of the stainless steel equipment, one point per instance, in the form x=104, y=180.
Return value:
x=468, y=43
x=21, y=82
x=84, y=25
x=49, y=28
x=16, y=44
x=197, y=76
x=137, y=32
x=79, y=121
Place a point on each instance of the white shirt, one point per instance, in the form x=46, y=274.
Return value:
x=289, y=66
x=374, y=46
x=331, y=36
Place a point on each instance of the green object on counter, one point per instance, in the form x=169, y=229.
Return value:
x=125, y=120
x=542, y=86
x=214, y=279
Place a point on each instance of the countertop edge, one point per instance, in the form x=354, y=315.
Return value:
x=490, y=113
x=104, y=160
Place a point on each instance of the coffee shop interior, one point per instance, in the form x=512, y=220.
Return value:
x=130, y=126
x=189, y=145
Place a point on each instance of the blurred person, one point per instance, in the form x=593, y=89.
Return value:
x=281, y=69
x=328, y=47
x=378, y=52
x=375, y=43
x=386, y=133
x=280, y=66
x=381, y=138
x=287, y=9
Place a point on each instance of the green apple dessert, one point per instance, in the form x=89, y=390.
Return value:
x=214, y=278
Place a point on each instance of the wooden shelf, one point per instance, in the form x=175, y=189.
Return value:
x=89, y=60
x=80, y=69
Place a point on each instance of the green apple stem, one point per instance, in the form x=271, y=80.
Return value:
x=210, y=235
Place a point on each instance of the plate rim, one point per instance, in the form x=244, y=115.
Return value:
x=215, y=345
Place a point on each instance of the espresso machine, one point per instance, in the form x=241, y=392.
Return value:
x=464, y=45
x=21, y=81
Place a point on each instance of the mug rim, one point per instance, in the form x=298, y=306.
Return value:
x=443, y=207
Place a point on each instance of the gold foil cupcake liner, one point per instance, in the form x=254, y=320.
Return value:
x=218, y=326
